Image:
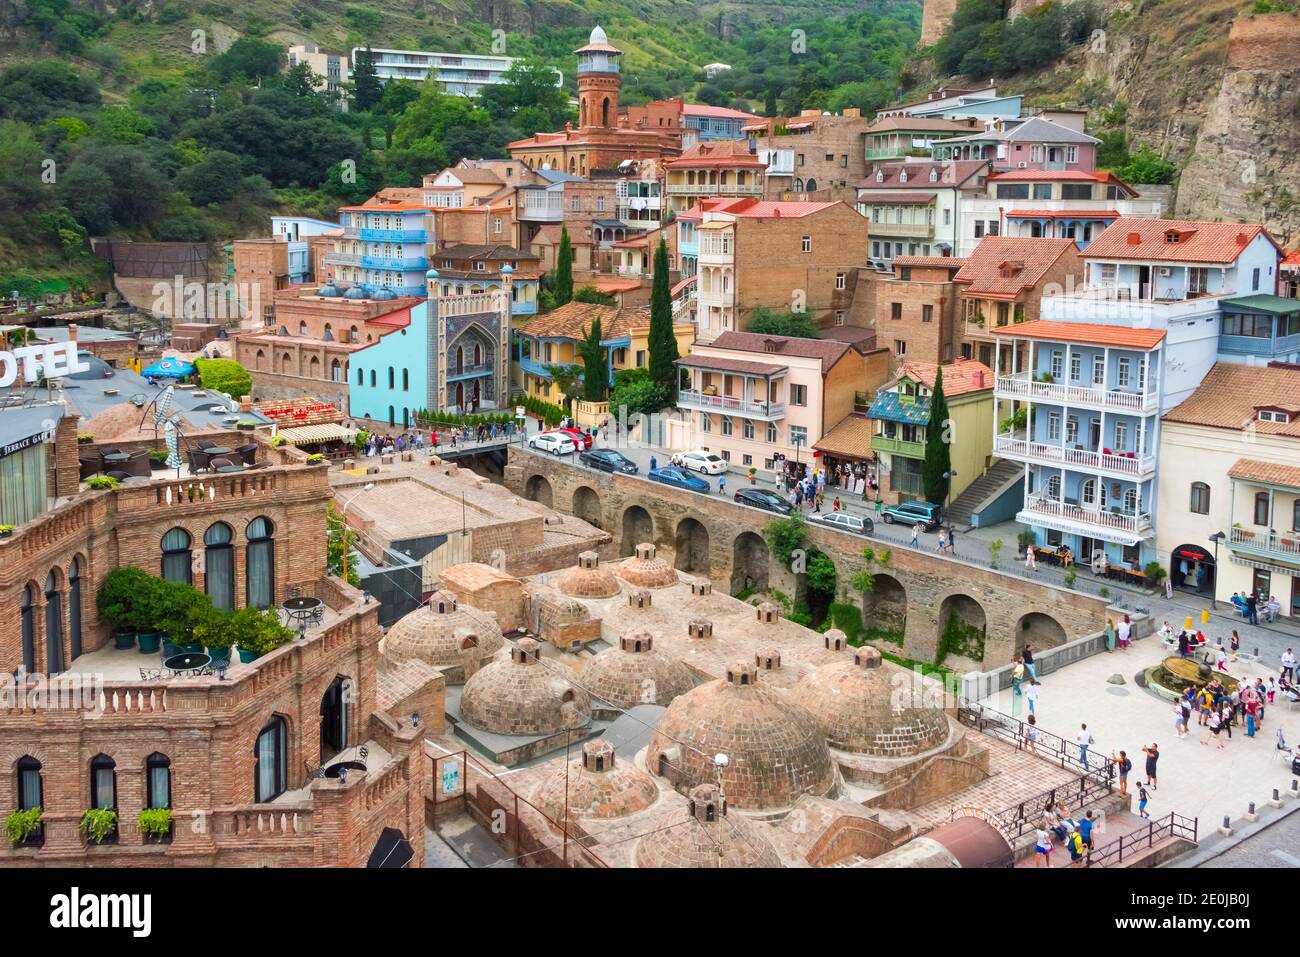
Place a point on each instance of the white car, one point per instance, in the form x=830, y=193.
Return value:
x=557, y=443
x=702, y=461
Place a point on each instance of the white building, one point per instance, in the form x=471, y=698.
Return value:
x=462, y=74
x=332, y=68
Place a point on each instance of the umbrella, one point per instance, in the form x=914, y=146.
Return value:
x=169, y=368
x=391, y=850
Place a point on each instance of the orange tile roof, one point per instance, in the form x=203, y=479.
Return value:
x=1231, y=395
x=1026, y=261
x=573, y=319
x=1268, y=473
x=1292, y=259
x=960, y=377
x=760, y=208
x=1134, y=237
x=946, y=262
x=716, y=153
x=1094, y=334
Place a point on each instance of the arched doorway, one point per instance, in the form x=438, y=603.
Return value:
x=586, y=505
x=460, y=395
x=538, y=489
x=692, y=547
x=1041, y=631
x=962, y=626
x=334, y=718
x=1192, y=568
x=637, y=528
x=749, y=561
x=884, y=608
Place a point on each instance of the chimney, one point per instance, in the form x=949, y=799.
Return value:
x=979, y=378
x=72, y=332
x=1241, y=241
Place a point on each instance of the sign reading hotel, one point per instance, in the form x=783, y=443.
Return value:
x=52, y=360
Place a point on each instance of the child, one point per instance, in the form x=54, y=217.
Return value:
x=1143, y=798
x=1221, y=658
x=836, y=504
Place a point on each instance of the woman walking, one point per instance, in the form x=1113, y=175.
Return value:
x=1031, y=562
x=1031, y=735
x=1110, y=636
x=1123, y=632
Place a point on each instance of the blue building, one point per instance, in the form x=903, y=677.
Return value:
x=715, y=122
x=384, y=246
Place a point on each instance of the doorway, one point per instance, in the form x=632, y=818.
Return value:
x=334, y=719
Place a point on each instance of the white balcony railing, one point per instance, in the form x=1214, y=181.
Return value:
x=689, y=399
x=1128, y=465
x=1093, y=519
x=1265, y=542
x=1024, y=387
x=1120, y=305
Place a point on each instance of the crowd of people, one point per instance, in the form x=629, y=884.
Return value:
x=450, y=437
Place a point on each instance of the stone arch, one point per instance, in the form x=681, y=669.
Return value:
x=885, y=606
x=692, y=547
x=586, y=505
x=1040, y=630
x=749, y=563
x=963, y=626
x=638, y=527
x=538, y=489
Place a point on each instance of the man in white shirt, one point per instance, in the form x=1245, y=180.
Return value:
x=1288, y=665
x=1085, y=741
x=1031, y=694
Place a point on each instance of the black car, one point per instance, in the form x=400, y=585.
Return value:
x=607, y=460
x=761, y=498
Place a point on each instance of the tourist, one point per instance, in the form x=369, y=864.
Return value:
x=952, y=539
x=1235, y=643
x=1028, y=654
x=1074, y=843
x=1042, y=849
x=1031, y=734
x=1206, y=701
x=1184, y=644
x=835, y=505
x=1212, y=728
x=1252, y=609
x=1110, y=636
x=1031, y=562
x=1085, y=740
x=1221, y=658
x=1067, y=556
x=1238, y=603
x=1017, y=676
x=1252, y=711
x=916, y=532
x=1272, y=689
x=943, y=539
x=1124, y=632
x=1184, y=715
x=654, y=463
x=1288, y=665
x=1167, y=633
x=1124, y=766
x=1272, y=608
x=722, y=485
x=1260, y=696
x=1153, y=757
x=1143, y=800
x=1086, y=825
x=1031, y=695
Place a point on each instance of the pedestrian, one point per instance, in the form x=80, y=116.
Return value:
x=1212, y=729
x=1205, y=700
x=1028, y=654
x=943, y=539
x=821, y=498
x=1143, y=800
x=1288, y=665
x=1086, y=825
x=1074, y=843
x=1123, y=632
x=1124, y=766
x=1042, y=848
x=916, y=531
x=722, y=485
x=1252, y=609
x=1031, y=562
x=1110, y=636
x=1153, y=756
x=952, y=539
x=1235, y=644
x=1184, y=715
x=1031, y=695
x=1031, y=735
x=1273, y=608
x=1272, y=689
x=1017, y=677
x=1227, y=715
x=1252, y=709
x=1221, y=658
x=654, y=463
x=836, y=504
x=1085, y=740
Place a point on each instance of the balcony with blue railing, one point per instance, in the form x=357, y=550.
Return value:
x=691, y=248
x=372, y=235
x=533, y=367
x=521, y=308
x=470, y=371
x=389, y=262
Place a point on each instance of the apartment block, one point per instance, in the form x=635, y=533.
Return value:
x=915, y=208
x=814, y=156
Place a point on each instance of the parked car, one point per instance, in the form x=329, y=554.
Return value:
x=762, y=498
x=679, y=478
x=557, y=443
x=581, y=439
x=704, y=462
x=845, y=522
x=909, y=513
x=607, y=460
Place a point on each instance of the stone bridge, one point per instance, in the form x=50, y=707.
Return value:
x=714, y=537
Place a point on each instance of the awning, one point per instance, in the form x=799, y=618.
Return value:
x=391, y=850
x=849, y=439
x=307, y=434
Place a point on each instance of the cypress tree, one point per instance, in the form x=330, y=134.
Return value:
x=663, y=344
x=595, y=368
x=563, y=285
x=937, y=436
x=367, y=91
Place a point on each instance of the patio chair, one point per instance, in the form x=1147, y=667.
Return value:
x=247, y=452
x=151, y=674
x=199, y=461
x=89, y=467
x=138, y=464
x=206, y=443
x=120, y=476
x=258, y=465
x=221, y=462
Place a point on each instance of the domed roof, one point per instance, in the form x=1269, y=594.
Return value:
x=598, y=35
x=587, y=579
x=329, y=291
x=861, y=708
x=775, y=749
x=710, y=837
x=431, y=274
x=507, y=269
x=599, y=786
x=520, y=695
x=645, y=570
x=384, y=294
x=634, y=673
x=444, y=632
x=355, y=292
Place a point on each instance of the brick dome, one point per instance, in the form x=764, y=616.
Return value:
x=600, y=786
x=775, y=749
x=646, y=570
x=635, y=673
x=444, y=632
x=521, y=695
x=709, y=833
x=861, y=708
x=587, y=579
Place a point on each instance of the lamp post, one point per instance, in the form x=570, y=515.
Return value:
x=343, y=521
x=1216, y=538
x=948, y=477
x=720, y=761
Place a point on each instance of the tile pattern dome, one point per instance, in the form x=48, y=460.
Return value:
x=710, y=837
x=635, y=673
x=587, y=579
x=646, y=570
x=599, y=786
x=444, y=632
x=522, y=695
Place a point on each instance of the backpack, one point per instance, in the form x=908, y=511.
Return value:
x=1126, y=766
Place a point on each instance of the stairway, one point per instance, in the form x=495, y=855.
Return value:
x=974, y=495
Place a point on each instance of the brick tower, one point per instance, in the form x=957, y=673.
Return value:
x=598, y=81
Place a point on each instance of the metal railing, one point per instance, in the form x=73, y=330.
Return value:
x=1170, y=826
x=1022, y=386
x=1100, y=768
x=1009, y=445
x=1288, y=545
x=1119, y=521
x=726, y=403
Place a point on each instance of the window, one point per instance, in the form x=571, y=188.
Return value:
x=747, y=429
x=706, y=422
x=798, y=394
x=1254, y=279
x=640, y=358
x=927, y=313
x=103, y=782
x=807, y=244
x=1076, y=191
x=798, y=436
x=979, y=229
x=1266, y=415
x=269, y=761
x=1058, y=359
x=1053, y=426
x=30, y=786
x=1200, y=504
x=895, y=310
x=158, y=781
x=176, y=556
x=747, y=460
x=1261, y=508
x=74, y=608
x=839, y=317
x=947, y=217
x=839, y=280
x=1121, y=436
x=1054, y=487
x=259, y=563
x=29, y=629
x=1076, y=364
x=53, y=625
x=1042, y=191
x=219, y=565
x=1072, y=154
x=771, y=432
x=900, y=347
x=1012, y=191
x=1256, y=326
x=1071, y=429
x=727, y=427
x=1123, y=375
x=1098, y=369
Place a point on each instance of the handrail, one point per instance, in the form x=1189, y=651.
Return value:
x=1171, y=825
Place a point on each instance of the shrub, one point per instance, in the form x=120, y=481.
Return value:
x=961, y=639
x=1071, y=576
x=224, y=375
x=1154, y=573
x=98, y=823
x=20, y=825
x=154, y=821
x=123, y=599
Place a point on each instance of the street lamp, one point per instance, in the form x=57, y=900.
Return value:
x=948, y=477
x=343, y=521
x=1216, y=538
x=720, y=761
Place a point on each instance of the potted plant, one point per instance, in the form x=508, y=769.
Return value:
x=22, y=826
x=99, y=824
x=178, y=609
x=100, y=482
x=277, y=441
x=259, y=634
x=157, y=459
x=6, y=531
x=123, y=602
x=246, y=425
x=213, y=628
x=315, y=459
x=752, y=472
x=85, y=438
x=155, y=823
x=1154, y=573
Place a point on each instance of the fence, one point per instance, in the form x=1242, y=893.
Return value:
x=1171, y=825
x=1048, y=745
x=1022, y=818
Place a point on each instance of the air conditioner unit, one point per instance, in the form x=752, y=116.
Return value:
x=1022, y=165
x=1164, y=271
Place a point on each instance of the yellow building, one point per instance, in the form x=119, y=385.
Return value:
x=552, y=339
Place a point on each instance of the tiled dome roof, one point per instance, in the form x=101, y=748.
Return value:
x=587, y=579
x=709, y=834
x=861, y=708
x=634, y=673
x=443, y=632
x=599, y=786
x=645, y=570
x=520, y=695
x=775, y=750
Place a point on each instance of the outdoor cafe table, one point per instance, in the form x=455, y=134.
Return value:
x=111, y=457
x=189, y=663
x=217, y=450
x=231, y=468
x=305, y=609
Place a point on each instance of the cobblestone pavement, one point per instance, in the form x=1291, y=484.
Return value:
x=1276, y=846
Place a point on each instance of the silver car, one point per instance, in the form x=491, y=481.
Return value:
x=845, y=522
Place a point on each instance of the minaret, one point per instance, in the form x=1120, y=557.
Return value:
x=598, y=81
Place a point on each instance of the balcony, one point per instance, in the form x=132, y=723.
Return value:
x=1080, y=520
x=909, y=230
x=343, y=259
x=366, y=234
x=715, y=189
x=897, y=446
x=1128, y=465
x=471, y=371
x=730, y=405
x=542, y=212
x=1117, y=305
x=1093, y=397
x=1265, y=544
x=388, y=262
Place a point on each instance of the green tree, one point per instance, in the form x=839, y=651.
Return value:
x=214, y=179
x=367, y=91
x=342, y=539
x=938, y=458
x=566, y=378
x=299, y=80
x=248, y=59
x=769, y=322
x=662, y=341
x=595, y=364
x=562, y=284
x=785, y=535
x=590, y=294
x=635, y=394
x=1147, y=166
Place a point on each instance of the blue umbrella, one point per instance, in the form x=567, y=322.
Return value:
x=169, y=368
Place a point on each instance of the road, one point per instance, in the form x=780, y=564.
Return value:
x=1277, y=846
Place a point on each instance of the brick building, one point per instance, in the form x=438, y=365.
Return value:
x=812, y=156
x=915, y=307
x=723, y=168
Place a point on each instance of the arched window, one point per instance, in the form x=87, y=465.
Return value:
x=1130, y=500
x=1200, y=498
x=103, y=782
x=53, y=625
x=406, y=380
x=302, y=328
x=158, y=781
x=219, y=561
x=29, y=629
x=1261, y=508
x=372, y=378
x=392, y=419
x=31, y=789
x=176, y=556
x=74, y=608
x=460, y=359
x=797, y=184
x=259, y=563
x=391, y=378
x=1088, y=492
x=352, y=334
x=361, y=377
x=329, y=333
x=334, y=718
x=478, y=354
x=811, y=186
x=269, y=761
x=1054, y=487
